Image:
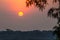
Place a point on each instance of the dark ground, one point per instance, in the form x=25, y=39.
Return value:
x=26, y=35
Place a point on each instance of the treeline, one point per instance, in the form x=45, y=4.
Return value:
x=26, y=35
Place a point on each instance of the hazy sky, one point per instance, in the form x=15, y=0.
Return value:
x=33, y=19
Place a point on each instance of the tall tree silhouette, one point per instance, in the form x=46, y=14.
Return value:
x=53, y=12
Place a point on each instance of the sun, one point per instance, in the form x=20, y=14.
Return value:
x=20, y=13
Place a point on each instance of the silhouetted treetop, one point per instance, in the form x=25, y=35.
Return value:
x=38, y=3
x=41, y=4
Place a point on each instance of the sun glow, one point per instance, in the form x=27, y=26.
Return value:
x=20, y=14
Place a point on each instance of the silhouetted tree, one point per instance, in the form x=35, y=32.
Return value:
x=53, y=12
x=38, y=3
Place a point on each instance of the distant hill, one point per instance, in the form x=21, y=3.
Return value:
x=26, y=35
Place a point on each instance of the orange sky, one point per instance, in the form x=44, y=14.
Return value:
x=16, y=5
x=32, y=19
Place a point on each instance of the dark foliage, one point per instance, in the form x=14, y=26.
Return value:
x=53, y=12
x=57, y=31
x=38, y=3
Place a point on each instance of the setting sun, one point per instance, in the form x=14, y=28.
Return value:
x=20, y=14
